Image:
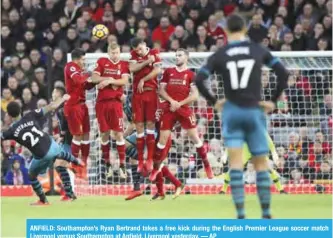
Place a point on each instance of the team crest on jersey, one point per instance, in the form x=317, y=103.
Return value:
x=72, y=69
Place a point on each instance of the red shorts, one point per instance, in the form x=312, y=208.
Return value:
x=184, y=115
x=77, y=117
x=110, y=115
x=144, y=106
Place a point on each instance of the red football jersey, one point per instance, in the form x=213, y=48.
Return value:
x=76, y=83
x=178, y=83
x=107, y=68
x=152, y=83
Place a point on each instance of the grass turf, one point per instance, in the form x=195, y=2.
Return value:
x=15, y=210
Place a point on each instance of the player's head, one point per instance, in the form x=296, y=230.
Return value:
x=236, y=24
x=78, y=56
x=181, y=57
x=58, y=92
x=14, y=109
x=139, y=46
x=114, y=51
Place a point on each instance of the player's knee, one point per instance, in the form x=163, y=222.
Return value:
x=61, y=163
x=32, y=176
x=105, y=136
x=119, y=136
x=139, y=127
x=260, y=163
x=133, y=161
x=77, y=138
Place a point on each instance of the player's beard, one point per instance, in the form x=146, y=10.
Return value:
x=180, y=64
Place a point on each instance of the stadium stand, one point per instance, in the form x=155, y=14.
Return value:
x=31, y=28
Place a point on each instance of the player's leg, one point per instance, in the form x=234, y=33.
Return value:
x=120, y=142
x=257, y=141
x=159, y=182
x=105, y=146
x=176, y=182
x=85, y=143
x=160, y=148
x=38, y=166
x=276, y=180
x=193, y=134
x=233, y=135
x=61, y=168
x=150, y=108
x=131, y=153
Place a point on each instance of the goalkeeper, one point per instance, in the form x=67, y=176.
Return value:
x=246, y=158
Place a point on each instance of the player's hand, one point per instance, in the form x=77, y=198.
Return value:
x=219, y=105
x=174, y=106
x=103, y=84
x=268, y=106
x=140, y=86
x=66, y=97
x=151, y=59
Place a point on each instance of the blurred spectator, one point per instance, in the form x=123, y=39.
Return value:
x=246, y=8
x=159, y=6
x=214, y=30
x=300, y=41
x=17, y=174
x=83, y=31
x=163, y=32
x=122, y=33
x=71, y=11
x=175, y=17
x=324, y=173
x=14, y=87
x=201, y=38
x=306, y=141
x=312, y=41
x=7, y=70
x=319, y=137
x=187, y=168
x=295, y=144
x=29, y=102
x=150, y=19
x=257, y=31
x=71, y=41
x=6, y=98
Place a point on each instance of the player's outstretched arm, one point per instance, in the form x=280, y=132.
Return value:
x=194, y=94
x=96, y=78
x=156, y=71
x=55, y=104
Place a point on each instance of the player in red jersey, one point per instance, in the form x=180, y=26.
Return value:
x=75, y=109
x=177, y=87
x=145, y=65
x=111, y=74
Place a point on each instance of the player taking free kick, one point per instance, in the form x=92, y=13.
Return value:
x=75, y=109
x=27, y=132
x=240, y=63
x=145, y=65
x=177, y=87
x=111, y=74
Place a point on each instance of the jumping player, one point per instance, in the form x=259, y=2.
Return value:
x=76, y=110
x=111, y=74
x=27, y=132
x=131, y=152
x=240, y=64
x=145, y=65
x=247, y=157
x=178, y=89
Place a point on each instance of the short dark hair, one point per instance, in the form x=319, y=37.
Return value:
x=61, y=90
x=183, y=50
x=13, y=109
x=135, y=42
x=235, y=23
x=77, y=53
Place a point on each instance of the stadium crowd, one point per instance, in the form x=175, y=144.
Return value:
x=32, y=29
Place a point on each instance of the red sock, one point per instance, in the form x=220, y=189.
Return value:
x=203, y=155
x=150, y=141
x=159, y=184
x=167, y=174
x=106, y=152
x=85, y=150
x=121, y=151
x=75, y=146
x=140, y=146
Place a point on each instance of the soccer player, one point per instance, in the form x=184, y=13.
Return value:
x=177, y=88
x=240, y=64
x=27, y=132
x=131, y=152
x=61, y=166
x=111, y=74
x=247, y=157
x=76, y=110
x=145, y=65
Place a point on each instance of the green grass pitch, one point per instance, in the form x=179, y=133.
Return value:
x=15, y=210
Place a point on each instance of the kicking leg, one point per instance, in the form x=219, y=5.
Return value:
x=35, y=168
x=61, y=168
